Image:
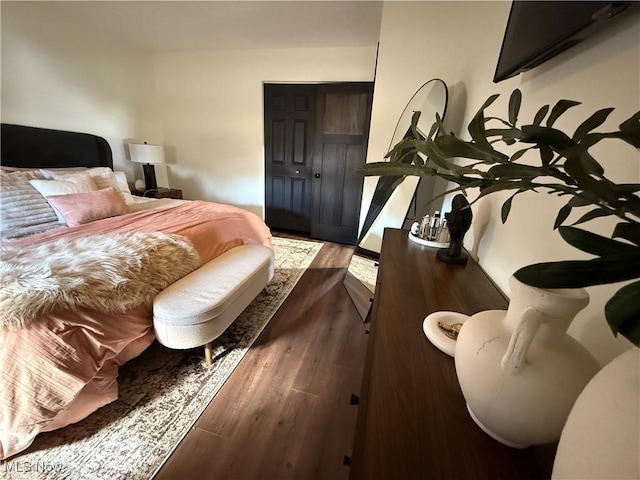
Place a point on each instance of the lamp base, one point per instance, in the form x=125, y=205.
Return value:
x=149, y=177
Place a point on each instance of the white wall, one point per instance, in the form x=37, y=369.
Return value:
x=211, y=107
x=63, y=74
x=459, y=42
x=416, y=45
x=60, y=72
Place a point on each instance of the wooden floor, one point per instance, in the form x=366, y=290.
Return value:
x=285, y=412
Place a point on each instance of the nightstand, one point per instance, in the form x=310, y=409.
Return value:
x=159, y=193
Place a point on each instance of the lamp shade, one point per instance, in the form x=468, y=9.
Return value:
x=146, y=153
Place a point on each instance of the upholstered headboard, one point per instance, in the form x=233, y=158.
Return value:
x=22, y=146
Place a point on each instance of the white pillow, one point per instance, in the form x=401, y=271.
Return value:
x=123, y=186
x=103, y=177
x=72, y=184
x=49, y=173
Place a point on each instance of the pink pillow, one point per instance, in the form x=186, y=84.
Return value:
x=79, y=208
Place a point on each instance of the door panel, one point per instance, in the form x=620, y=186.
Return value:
x=277, y=141
x=289, y=133
x=339, y=165
x=348, y=113
x=354, y=159
x=344, y=113
x=277, y=187
x=300, y=147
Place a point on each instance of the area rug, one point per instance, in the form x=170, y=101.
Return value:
x=161, y=395
x=364, y=269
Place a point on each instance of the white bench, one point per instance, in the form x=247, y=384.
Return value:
x=196, y=309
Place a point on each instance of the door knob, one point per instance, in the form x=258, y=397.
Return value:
x=317, y=175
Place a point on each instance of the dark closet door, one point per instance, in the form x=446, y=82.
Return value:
x=342, y=134
x=289, y=134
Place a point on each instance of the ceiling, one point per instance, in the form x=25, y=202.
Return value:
x=172, y=26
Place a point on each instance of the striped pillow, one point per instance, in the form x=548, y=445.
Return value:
x=22, y=209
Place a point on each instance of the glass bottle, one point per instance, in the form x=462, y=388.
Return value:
x=434, y=225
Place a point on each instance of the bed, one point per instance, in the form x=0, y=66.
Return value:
x=78, y=281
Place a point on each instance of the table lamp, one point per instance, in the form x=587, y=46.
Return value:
x=148, y=155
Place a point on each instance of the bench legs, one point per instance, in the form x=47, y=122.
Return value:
x=208, y=353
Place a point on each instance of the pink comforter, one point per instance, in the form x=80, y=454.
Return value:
x=61, y=368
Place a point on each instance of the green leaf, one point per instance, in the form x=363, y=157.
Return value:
x=487, y=103
x=404, y=150
x=519, y=154
x=523, y=185
x=580, y=273
x=462, y=182
x=414, y=125
x=437, y=156
x=630, y=130
x=506, y=208
x=594, y=121
x=598, y=212
x=546, y=136
x=630, y=205
x=579, y=202
x=537, y=120
x=546, y=155
x=433, y=130
x=628, y=231
x=563, y=214
x=403, y=155
x=558, y=109
x=593, y=188
x=590, y=139
x=476, y=129
x=514, y=171
x=597, y=244
x=623, y=313
x=504, y=133
x=452, y=146
x=397, y=182
x=467, y=171
x=476, y=126
x=497, y=119
x=514, y=106
x=628, y=188
x=589, y=164
x=440, y=124
x=390, y=169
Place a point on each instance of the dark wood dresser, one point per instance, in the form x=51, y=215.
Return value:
x=412, y=418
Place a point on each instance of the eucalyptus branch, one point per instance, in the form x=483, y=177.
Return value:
x=576, y=174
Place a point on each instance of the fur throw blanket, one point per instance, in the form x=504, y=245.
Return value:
x=107, y=273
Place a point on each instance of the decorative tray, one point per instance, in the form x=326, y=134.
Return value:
x=427, y=243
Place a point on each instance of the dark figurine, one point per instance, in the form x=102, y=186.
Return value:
x=459, y=222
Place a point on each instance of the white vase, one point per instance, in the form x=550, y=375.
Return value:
x=601, y=438
x=519, y=371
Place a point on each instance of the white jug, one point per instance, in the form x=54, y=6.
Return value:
x=519, y=371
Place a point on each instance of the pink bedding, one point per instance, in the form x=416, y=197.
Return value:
x=62, y=367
